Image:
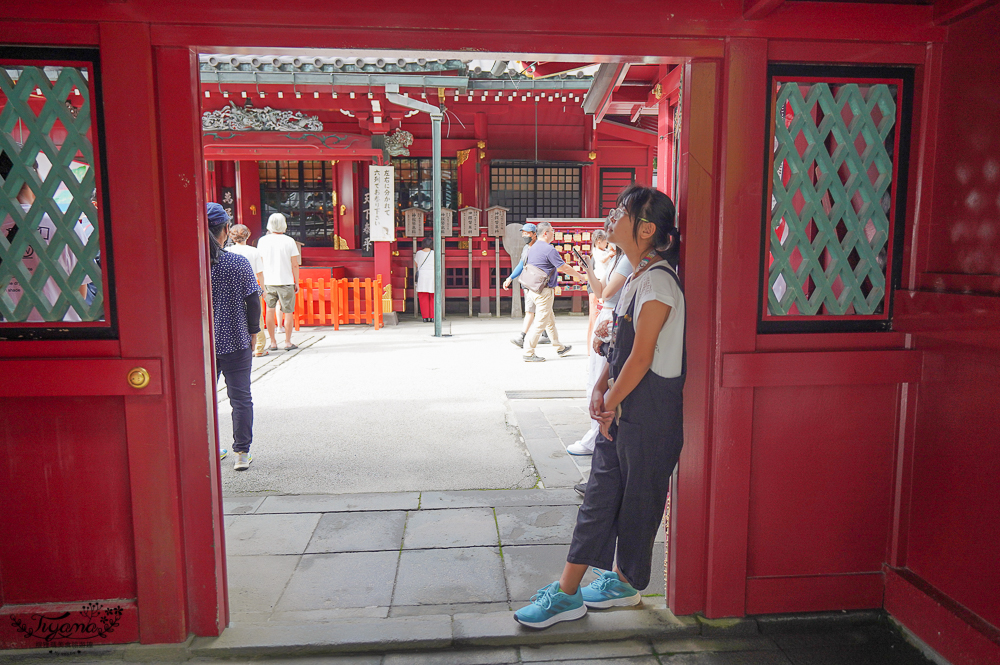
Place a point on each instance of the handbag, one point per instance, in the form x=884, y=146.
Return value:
x=416, y=271
x=534, y=278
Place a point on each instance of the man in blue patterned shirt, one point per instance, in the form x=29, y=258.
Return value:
x=236, y=316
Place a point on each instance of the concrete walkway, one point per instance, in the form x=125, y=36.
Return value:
x=359, y=410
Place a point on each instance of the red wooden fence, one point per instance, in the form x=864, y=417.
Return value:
x=324, y=302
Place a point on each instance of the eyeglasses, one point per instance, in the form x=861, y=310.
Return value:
x=618, y=213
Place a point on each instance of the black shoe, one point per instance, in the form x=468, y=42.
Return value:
x=566, y=349
x=581, y=488
x=544, y=339
x=518, y=341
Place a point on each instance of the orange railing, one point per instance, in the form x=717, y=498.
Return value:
x=324, y=302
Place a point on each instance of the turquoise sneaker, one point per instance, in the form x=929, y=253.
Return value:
x=549, y=606
x=223, y=452
x=609, y=591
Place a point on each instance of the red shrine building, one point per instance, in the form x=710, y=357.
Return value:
x=542, y=139
x=836, y=170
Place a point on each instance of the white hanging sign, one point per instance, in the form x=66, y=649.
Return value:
x=381, y=189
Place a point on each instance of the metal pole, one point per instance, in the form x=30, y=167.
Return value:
x=470, y=275
x=498, y=275
x=438, y=249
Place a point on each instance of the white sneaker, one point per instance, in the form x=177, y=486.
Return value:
x=578, y=449
x=242, y=461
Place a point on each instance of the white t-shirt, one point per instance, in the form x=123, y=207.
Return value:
x=424, y=263
x=252, y=254
x=603, y=259
x=276, y=252
x=660, y=286
x=30, y=260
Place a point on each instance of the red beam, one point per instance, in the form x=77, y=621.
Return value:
x=758, y=9
x=668, y=86
x=626, y=133
x=949, y=11
x=838, y=368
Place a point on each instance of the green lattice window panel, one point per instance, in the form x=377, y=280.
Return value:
x=50, y=232
x=830, y=216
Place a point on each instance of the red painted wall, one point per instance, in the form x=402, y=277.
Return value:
x=951, y=505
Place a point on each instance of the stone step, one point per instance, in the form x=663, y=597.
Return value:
x=436, y=632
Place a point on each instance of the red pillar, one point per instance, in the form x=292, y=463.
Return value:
x=248, y=198
x=383, y=261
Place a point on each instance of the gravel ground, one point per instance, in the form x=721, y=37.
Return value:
x=396, y=409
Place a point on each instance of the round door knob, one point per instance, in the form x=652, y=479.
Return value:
x=138, y=378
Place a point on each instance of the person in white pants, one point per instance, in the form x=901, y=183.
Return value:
x=607, y=291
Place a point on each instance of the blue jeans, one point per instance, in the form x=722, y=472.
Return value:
x=236, y=368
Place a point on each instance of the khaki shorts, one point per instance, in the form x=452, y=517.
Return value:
x=284, y=294
x=529, y=302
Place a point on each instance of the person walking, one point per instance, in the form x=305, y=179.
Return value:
x=529, y=233
x=607, y=291
x=542, y=263
x=236, y=316
x=641, y=422
x=601, y=257
x=423, y=263
x=280, y=256
x=239, y=234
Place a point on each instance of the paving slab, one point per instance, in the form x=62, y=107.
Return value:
x=257, y=582
x=438, y=577
x=449, y=608
x=460, y=657
x=241, y=505
x=530, y=567
x=456, y=527
x=314, y=660
x=729, y=658
x=544, y=653
x=500, y=629
x=335, y=503
x=247, y=535
x=359, y=635
x=326, y=616
x=536, y=525
x=358, y=532
x=497, y=498
x=637, y=660
x=552, y=462
x=700, y=644
x=329, y=581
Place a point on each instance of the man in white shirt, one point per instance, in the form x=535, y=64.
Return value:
x=280, y=257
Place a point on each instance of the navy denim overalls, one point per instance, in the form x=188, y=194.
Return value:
x=630, y=475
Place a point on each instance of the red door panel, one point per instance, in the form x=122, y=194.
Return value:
x=73, y=525
x=821, y=479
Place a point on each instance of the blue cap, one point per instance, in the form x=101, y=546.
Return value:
x=217, y=215
x=530, y=227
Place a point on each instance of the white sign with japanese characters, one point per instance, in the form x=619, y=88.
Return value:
x=381, y=188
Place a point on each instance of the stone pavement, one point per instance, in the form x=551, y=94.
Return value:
x=295, y=559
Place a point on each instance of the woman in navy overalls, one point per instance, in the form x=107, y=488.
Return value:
x=638, y=403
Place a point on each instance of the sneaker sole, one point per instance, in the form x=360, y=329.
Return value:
x=568, y=615
x=586, y=454
x=624, y=601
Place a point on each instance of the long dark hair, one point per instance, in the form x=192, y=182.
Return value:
x=213, y=243
x=654, y=206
